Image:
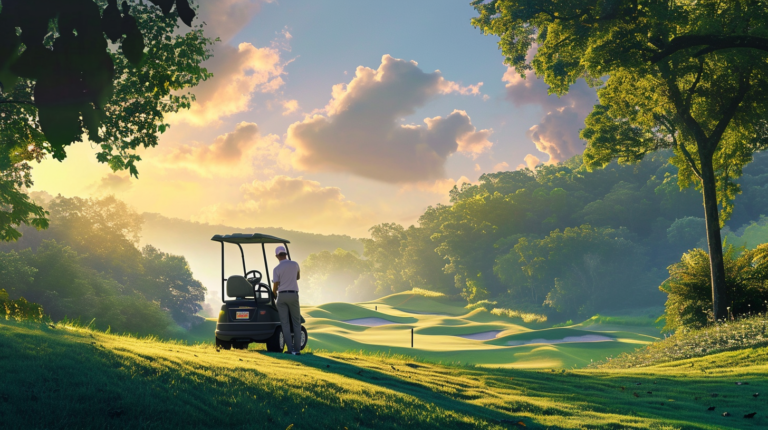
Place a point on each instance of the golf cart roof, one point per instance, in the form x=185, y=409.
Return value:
x=248, y=238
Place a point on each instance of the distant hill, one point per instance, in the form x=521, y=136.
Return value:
x=193, y=241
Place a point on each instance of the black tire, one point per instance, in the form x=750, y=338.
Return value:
x=240, y=345
x=304, y=338
x=276, y=343
x=223, y=344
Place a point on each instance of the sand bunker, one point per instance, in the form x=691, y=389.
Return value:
x=369, y=322
x=567, y=339
x=422, y=313
x=486, y=335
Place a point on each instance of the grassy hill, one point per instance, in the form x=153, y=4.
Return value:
x=443, y=332
x=68, y=377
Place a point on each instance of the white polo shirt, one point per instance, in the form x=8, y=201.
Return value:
x=285, y=273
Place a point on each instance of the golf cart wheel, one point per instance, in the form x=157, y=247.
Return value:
x=240, y=345
x=276, y=342
x=223, y=344
x=304, y=338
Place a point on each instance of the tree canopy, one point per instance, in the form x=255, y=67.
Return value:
x=688, y=76
x=88, y=265
x=85, y=68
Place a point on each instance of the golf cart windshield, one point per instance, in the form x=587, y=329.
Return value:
x=247, y=238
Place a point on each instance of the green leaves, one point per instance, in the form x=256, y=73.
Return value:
x=59, y=81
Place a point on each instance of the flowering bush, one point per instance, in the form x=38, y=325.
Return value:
x=743, y=332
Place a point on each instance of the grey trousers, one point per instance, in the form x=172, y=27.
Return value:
x=286, y=303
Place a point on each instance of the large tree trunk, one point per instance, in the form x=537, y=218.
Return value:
x=714, y=241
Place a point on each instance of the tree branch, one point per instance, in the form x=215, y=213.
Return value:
x=683, y=111
x=730, y=111
x=712, y=43
x=665, y=121
x=17, y=102
x=695, y=84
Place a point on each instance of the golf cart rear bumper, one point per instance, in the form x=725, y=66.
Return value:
x=232, y=331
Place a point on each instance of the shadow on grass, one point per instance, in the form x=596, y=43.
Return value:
x=56, y=379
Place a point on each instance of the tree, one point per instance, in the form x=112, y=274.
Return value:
x=332, y=276
x=690, y=76
x=60, y=79
x=169, y=281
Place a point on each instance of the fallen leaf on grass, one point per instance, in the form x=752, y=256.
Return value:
x=715, y=394
x=635, y=394
x=756, y=394
x=742, y=383
x=750, y=415
x=726, y=414
x=711, y=408
x=513, y=422
x=649, y=392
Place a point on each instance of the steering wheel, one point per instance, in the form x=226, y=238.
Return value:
x=255, y=279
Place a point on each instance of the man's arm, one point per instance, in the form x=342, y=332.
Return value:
x=298, y=275
x=274, y=287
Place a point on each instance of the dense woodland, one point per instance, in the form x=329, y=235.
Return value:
x=562, y=240
x=87, y=265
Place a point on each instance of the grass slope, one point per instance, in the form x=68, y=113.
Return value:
x=438, y=322
x=74, y=378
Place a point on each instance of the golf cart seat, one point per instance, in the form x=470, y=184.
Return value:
x=239, y=287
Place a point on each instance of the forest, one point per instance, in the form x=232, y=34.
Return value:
x=562, y=240
x=87, y=266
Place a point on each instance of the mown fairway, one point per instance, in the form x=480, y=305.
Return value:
x=439, y=325
x=74, y=378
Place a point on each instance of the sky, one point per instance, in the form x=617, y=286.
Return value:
x=334, y=116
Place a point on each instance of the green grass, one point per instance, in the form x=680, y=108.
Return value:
x=75, y=378
x=438, y=321
x=743, y=333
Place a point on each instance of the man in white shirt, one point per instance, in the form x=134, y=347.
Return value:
x=286, y=289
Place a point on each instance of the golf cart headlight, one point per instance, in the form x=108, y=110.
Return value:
x=222, y=315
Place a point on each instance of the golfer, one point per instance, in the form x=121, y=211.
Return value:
x=284, y=277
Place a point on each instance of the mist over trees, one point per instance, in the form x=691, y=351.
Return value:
x=88, y=265
x=562, y=240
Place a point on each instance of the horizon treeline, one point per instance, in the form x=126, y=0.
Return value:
x=560, y=240
x=88, y=265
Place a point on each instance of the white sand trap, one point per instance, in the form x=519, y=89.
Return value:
x=567, y=339
x=370, y=322
x=422, y=313
x=486, y=335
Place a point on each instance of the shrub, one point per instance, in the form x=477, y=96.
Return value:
x=689, y=300
x=528, y=317
x=482, y=304
x=21, y=309
x=741, y=333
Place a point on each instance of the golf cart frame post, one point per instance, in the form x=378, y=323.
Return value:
x=240, y=238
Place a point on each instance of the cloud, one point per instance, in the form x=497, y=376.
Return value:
x=558, y=133
x=225, y=18
x=238, y=73
x=113, y=183
x=288, y=202
x=501, y=167
x=232, y=154
x=290, y=106
x=531, y=161
x=439, y=186
x=359, y=130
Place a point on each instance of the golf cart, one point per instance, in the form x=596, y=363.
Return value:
x=249, y=313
